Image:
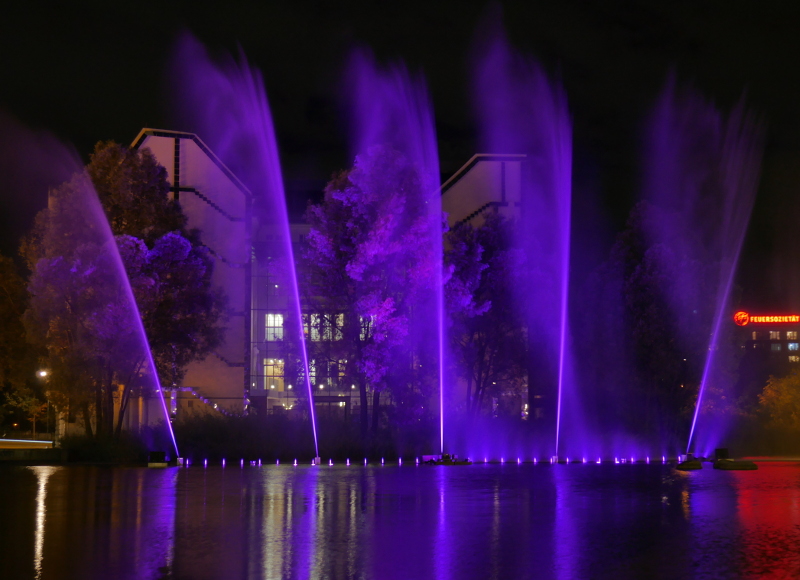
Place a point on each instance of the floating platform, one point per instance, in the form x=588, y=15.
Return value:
x=689, y=465
x=445, y=459
x=157, y=459
x=735, y=465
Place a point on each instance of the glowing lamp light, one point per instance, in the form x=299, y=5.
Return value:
x=663, y=459
x=290, y=387
x=348, y=462
x=485, y=460
x=205, y=462
x=399, y=461
x=330, y=461
x=599, y=461
x=502, y=460
x=223, y=463
x=241, y=463
x=295, y=462
x=535, y=460
x=648, y=460
x=584, y=460
x=518, y=461
x=42, y=373
x=381, y=460
x=365, y=461
x=567, y=460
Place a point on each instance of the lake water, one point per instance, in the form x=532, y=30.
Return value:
x=409, y=522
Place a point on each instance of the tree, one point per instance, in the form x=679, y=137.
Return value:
x=486, y=334
x=371, y=257
x=18, y=359
x=134, y=192
x=647, y=315
x=780, y=402
x=81, y=309
x=29, y=403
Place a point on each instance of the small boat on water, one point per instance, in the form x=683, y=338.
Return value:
x=691, y=464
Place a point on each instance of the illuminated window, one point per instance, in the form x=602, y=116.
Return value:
x=774, y=334
x=794, y=346
x=791, y=335
x=338, y=326
x=317, y=327
x=794, y=358
x=328, y=373
x=775, y=347
x=274, y=326
x=755, y=335
x=366, y=326
x=273, y=374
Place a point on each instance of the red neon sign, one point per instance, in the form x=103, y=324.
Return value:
x=743, y=318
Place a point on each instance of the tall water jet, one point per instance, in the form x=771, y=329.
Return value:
x=392, y=120
x=84, y=310
x=228, y=106
x=521, y=111
x=701, y=179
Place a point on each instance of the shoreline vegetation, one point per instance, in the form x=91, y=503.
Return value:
x=279, y=438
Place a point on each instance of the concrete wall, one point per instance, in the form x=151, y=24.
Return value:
x=216, y=204
x=485, y=183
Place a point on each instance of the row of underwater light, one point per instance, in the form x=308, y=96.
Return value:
x=552, y=460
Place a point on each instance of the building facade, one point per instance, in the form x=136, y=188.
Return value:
x=255, y=369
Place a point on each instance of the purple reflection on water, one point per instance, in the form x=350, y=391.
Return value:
x=481, y=521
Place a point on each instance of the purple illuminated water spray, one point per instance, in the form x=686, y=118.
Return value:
x=93, y=206
x=231, y=105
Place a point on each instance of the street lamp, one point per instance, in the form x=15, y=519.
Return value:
x=43, y=374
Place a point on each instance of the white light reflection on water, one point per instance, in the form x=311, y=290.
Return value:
x=43, y=473
x=550, y=523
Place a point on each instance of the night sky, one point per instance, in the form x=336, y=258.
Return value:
x=93, y=71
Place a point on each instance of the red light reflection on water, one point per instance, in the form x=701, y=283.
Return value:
x=769, y=515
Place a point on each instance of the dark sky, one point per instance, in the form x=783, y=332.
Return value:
x=96, y=70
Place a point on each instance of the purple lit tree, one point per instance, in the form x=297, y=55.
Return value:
x=80, y=310
x=369, y=257
x=486, y=336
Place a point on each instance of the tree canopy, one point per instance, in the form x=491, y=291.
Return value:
x=370, y=256
x=93, y=289
x=486, y=335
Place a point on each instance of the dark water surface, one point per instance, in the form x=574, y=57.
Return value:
x=481, y=521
